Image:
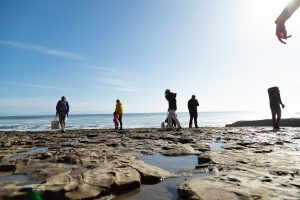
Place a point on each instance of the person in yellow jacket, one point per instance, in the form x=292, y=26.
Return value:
x=119, y=111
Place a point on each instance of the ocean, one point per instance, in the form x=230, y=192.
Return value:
x=133, y=120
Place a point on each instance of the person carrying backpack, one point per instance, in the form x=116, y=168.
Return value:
x=62, y=110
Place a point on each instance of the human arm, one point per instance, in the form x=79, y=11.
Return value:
x=68, y=108
x=57, y=107
x=287, y=12
x=279, y=100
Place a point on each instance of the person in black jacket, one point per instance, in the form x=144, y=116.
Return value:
x=192, y=106
x=171, y=98
x=275, y=102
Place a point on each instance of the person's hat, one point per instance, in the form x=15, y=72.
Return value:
x=167, y=91
x=63, y=98
x=193, y=96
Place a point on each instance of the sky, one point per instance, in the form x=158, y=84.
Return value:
x=96, y=51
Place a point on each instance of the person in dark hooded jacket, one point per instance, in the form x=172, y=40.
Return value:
x=192, y=106
x=275, y=102
x=171, y=98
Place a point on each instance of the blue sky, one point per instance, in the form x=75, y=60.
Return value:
x=96, y=51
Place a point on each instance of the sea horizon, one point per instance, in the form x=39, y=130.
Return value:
x=130, y=120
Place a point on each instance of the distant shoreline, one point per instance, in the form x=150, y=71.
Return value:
x=288, y=122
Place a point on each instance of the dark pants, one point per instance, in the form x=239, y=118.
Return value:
x=120, y=120
x=276, y=115
x=193, y=115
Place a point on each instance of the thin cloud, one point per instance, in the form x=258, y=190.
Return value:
x=38, y=86
x=127, y=89
x=110, y=81
x=120, y=85
x=26, y=101
x=98, y=68
x=45, y=50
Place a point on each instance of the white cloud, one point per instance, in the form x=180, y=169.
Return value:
x=120, y=85
x=21, y=102
x=28, y=106
x=99, y=68
x=45, y=50
x=123, y=89
x=39, y=86
x=109, y=81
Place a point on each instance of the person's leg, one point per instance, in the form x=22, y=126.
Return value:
x=278, y=117
x=120, y=120
x=195, y=120
x=173, y=123
x=176, y=120
x=273, y=117
x=60, y=117
x=64, y=115
x=116, y=124
x=191, y=119
x=170, y=117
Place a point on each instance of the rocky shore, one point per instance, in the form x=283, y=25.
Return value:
x=253, y=163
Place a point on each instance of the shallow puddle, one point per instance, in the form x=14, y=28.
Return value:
x=28, y=153
x=25, y=154
x=216, y=146
x=293, y=145
x=171, y=164
x=167, y=189
x=20, y=178
x=7, y=177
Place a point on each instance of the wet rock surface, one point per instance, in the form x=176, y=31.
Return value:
x=253, y=163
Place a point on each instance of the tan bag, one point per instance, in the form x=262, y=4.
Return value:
x=55, y=124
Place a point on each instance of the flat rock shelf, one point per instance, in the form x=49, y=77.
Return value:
x=204, y=163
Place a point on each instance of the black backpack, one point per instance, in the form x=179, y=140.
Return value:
x=63, y=106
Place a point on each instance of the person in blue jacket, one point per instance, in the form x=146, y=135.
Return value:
x=62, y=110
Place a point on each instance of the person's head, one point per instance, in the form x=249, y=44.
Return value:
x=167, y=91
x=118, y=101
x=193, y=96
x=115, y=113
x=63, y=98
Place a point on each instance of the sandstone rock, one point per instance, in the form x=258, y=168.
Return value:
x=149, y=174
x=84, y=191
x=236, y=185
x=204, y=158
x=180, y=149
x=126, y=178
